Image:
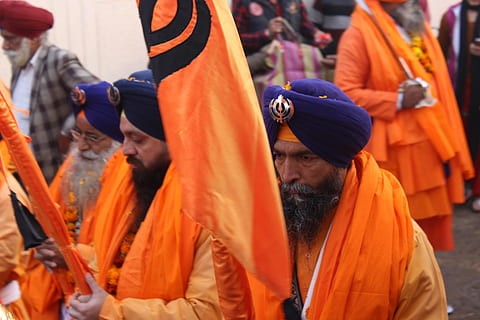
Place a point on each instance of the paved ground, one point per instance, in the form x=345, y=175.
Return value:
x=461, y=268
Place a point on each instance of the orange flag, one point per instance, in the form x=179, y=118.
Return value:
x=46, y=211
x=216, y=134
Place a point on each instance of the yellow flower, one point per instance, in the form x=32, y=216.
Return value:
x=113, y=274
x=71, y=197
x=70, y=215
x=71, y=226
x=420, y=51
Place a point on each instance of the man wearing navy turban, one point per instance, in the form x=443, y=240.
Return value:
x=141, y=232
x=355, y=249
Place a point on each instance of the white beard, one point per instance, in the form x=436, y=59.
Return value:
x=82, y=177
x=19, y=58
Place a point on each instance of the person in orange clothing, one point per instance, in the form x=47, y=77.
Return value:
x=356, y=251
x=75, y=187
x=11, y=267
x=390, y=63
x=152, y=260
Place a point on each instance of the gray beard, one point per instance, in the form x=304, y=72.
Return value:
x=305, y=208
x=19, y=58
x=82, y=178
x=411, y=18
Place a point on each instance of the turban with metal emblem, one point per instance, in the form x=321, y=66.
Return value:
x=321, y=116
x=98, y=102
x=24, y=20
x=138, y=100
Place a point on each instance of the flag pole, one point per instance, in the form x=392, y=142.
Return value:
x=45, y=209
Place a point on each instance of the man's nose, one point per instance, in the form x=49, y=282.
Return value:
x=127, y=148
x=82, y=145
x=288, y=171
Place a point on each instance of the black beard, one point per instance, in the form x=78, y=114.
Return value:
x=305, y=208
x=146, y=182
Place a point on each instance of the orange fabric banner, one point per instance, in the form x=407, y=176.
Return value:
x=46, y=211
x=215, y=133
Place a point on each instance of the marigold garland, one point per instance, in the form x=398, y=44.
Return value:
x=420, y=51
x=113, y=274
x=70, y=216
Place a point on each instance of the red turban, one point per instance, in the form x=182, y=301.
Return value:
x=24, y=20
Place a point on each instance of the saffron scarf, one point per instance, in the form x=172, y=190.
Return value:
x=160, y=260
x=114, y=202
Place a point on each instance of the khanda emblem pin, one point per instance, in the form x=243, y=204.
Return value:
x=78, y=96
x=113, y=95
x=281, y=109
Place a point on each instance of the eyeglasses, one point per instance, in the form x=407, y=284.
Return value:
x=87, y=137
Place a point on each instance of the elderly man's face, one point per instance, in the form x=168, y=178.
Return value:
x=409, y=15
x=295, y=163
x=17, y=49
x=91, y=143
x=311, y=188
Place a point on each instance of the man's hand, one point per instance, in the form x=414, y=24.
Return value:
x=329, y=61
x=86, y=307
x=475, y=48
x=49, y=254
x=275, y=27
x=322, y=39
x=412, y=95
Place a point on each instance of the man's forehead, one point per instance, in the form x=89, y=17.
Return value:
x=127, y=127
x=6, y=34
x=84, y=125
x=290, y=146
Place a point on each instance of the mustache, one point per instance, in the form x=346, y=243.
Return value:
x=134, y=161
x=89, y=155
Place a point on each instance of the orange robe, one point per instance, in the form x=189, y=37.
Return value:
x=43, y=292
x=168, y=271
x=377, y=263
x=11, y=268
x=415, y=144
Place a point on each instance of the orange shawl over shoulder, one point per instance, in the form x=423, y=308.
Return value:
x=113, y=212
x=160, y=259
x=367, y=252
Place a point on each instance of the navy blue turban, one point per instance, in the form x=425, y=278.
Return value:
x=323, y=118
x=98, y=101
x=138, y=99
x=146, y=75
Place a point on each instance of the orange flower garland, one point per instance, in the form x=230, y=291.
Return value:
x=113, y=274
x=420, y=51
x=70, y=216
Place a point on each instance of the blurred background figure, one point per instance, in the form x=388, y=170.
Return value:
x=280, y=41
x=332, y=16
x=42, y=77
x=459, y=37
